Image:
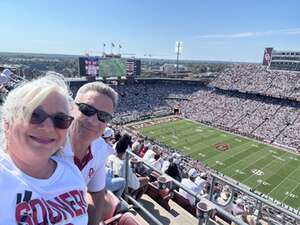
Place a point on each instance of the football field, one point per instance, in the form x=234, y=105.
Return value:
x=267, y=169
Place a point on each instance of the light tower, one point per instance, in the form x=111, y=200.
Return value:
x=178, y=51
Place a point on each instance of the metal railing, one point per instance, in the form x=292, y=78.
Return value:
x=287, y=216
x=216, y=207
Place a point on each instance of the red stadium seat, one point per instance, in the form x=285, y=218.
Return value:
x=122, y=219
x=111, y=205
x=162, y=197
x=184, y=203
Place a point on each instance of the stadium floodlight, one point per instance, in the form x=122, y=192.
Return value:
x=178, y=51
x=178, y=47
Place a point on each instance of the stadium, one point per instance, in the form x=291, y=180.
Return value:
x=240, y=128
x=243, y=125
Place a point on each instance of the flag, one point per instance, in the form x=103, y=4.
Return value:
x=112, y=44
x=104, y=44
x=120, y=46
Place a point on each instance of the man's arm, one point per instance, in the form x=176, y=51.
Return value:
x=96, y=207
x=96, y=192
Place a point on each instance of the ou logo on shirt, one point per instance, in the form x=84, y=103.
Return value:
x=91, y=172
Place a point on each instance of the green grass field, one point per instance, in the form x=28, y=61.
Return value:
x=269, y=170
x=112, y=67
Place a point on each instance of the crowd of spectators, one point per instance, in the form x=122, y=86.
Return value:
x=246, y=99
x=255, y=78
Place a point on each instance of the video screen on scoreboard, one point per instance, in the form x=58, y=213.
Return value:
x=109, y=67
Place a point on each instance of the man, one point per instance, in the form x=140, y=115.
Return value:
x=190, y=184
x=201, y=181
x=94, y=105
x=114, y=184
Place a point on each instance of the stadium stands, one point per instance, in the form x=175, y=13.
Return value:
x=246, y=99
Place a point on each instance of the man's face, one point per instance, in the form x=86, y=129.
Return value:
x=90, y=128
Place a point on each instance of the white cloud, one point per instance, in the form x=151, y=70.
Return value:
x=291, y=31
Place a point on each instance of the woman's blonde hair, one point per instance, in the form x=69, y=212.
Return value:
x=21, y=101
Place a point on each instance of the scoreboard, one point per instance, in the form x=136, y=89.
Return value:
x=109, y=67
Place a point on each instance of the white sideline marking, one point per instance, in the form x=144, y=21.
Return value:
x=198, y=130
x=254, y=145
x=151, y=132
x=186, y=148
x=224, y=135
x=174, y=142
x=238, y=140
x=175, y=137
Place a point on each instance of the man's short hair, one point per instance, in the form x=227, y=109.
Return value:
x=101, y=88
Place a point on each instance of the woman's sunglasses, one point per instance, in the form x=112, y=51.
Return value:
x=60, y=120
x=89, y=110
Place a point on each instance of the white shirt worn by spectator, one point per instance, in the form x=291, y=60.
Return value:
x=118, y=167
x=157, y=163
x=149, y=155
x=201, y=183
x=191, y=186
x=29, y=200
x=165, y=166
x=93, y=170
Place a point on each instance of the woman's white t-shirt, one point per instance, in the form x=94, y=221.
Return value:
x=60, y=199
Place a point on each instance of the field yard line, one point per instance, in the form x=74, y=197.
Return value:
x=253, y=162
x=284, y=180
x=264, y=167
x=288, y=196
x=248, y=138
x=204, y=146
x=232, y=156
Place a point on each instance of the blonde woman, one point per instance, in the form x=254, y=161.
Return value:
x=36, y=186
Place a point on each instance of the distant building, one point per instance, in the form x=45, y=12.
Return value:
x=282, y=60
x=171, y=68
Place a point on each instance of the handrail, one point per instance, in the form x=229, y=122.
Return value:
x=266, y=202
x=218, y=208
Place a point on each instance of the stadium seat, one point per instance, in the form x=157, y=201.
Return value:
x=111, y=205
x=162, y=197
x=184, y=203
x=122, y=219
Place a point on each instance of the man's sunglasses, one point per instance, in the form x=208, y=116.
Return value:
x=60, y=120
x=89, y=110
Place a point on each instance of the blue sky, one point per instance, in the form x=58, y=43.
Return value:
x=231, y=30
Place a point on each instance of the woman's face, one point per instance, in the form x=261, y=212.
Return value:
x=28, y=141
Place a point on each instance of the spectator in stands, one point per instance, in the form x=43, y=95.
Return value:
x=166, y=163
x=137, y=185
x=94, y=105
x=173, y=171
x=157, y=161
x=114, y=184
x=150, y=153
x=190, y=184
x=201, y=181
x=108, y=136
x=144, y=149
x=35, y=119
x=137, y=145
